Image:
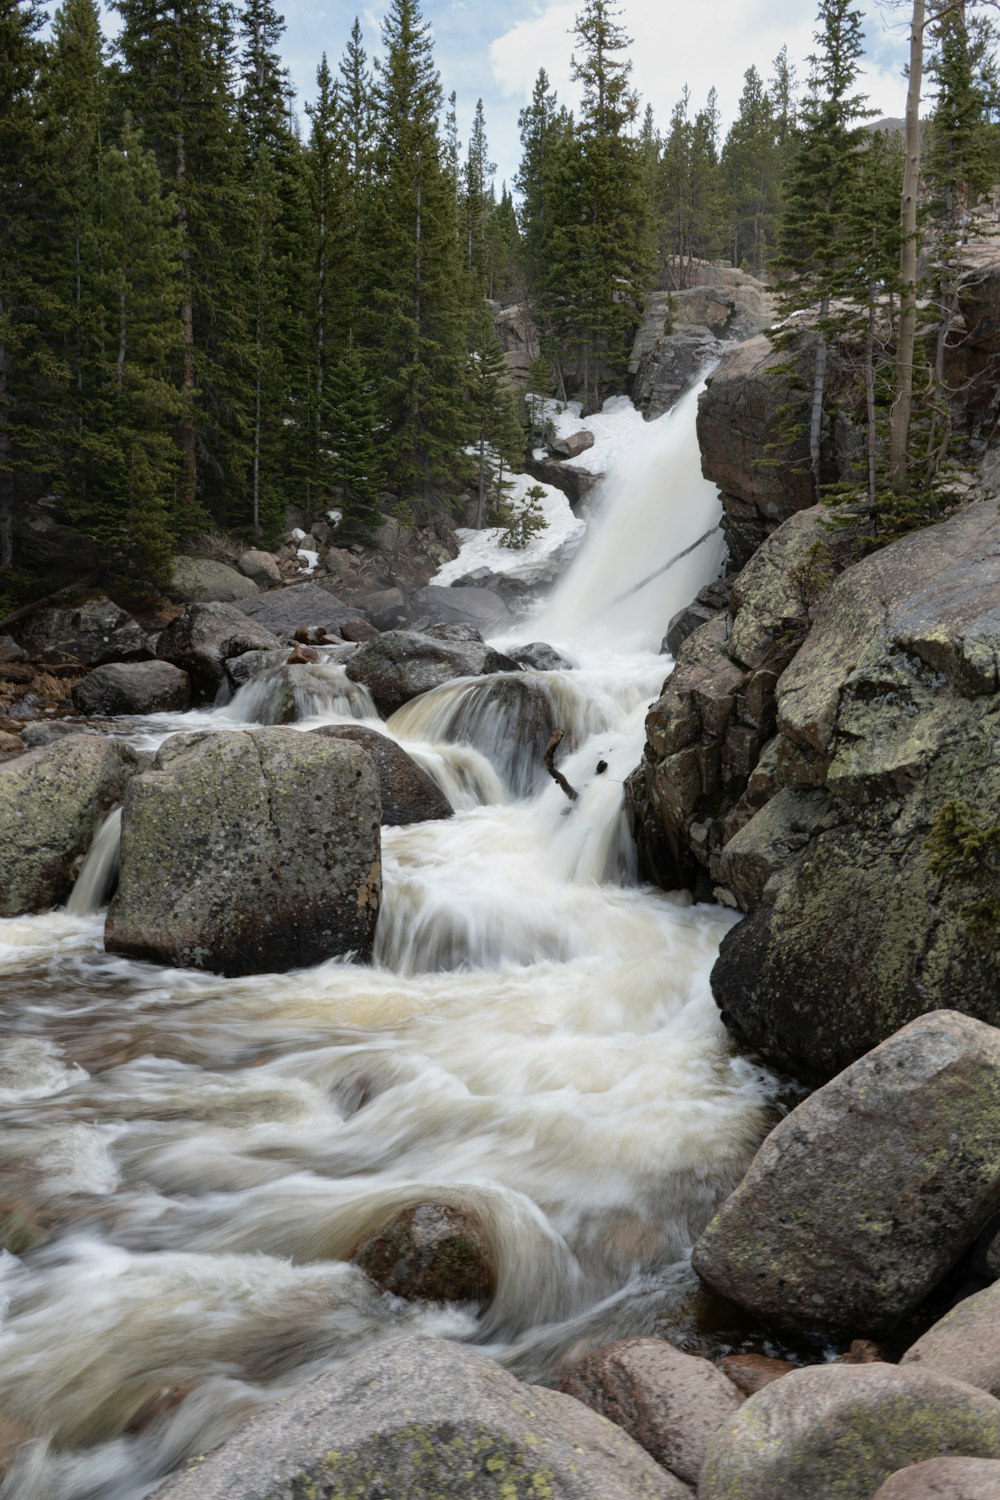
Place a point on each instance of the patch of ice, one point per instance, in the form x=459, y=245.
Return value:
x=539, y=561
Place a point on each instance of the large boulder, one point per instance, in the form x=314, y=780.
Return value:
x=205, y=581
x=432, y=1252
x=283, y=611
x=422, y=1417
x=143, y=687
x=261, y=567
x=404, y=663
x=203, y=638
x=965, y=1343
x=888, y=713
x=52, y=802
x=944, y=1479
x=836, y=1432
x=408, y=794
x=861, y=1199
x=669, y=1402
x=249, y=852
x=464, y=606
x=96, y=631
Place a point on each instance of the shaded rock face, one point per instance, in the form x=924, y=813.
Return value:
x=575, y=483
x=432, y=1252
x=965, y=1344
x=408, y=794
x=52, y=802
x=249, y=852
x=203, y=638
x=283, y=611
x=94, y=632
x=147, y=687
x=518, y=338
x=836, y=1432
x=859, y=1200
x=944, y=1479
x=462, y=606
x=417, y=1417
x=670, y=1403
x=203, y=580
x=888, y=711
x=401, y=664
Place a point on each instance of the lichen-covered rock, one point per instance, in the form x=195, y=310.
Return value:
x=432, y=1252
x=859, y=1200
x=203, y=638
x=144, y=687
x=52, y=802
x=669, y=1402
x=94, y=632
x=409, y=795
x=249, y=852
x=836, y=1432
x=421, y=1417
x=401, y=664
x=965, y=1343
x=944, y=1479
x=464, y=606
x=202, y=580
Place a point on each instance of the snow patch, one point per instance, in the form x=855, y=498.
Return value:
x=538, y=562
x=298, y=534
x=310, y=560
x=616, y=427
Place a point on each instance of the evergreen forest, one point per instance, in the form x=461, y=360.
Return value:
x=212, y=308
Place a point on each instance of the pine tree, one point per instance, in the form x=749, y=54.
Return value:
x=354, y=468
x=504, y=254
x=749, y=160
x=495, y=429
x=545, y=129
x=478, y=198
x=689, y=191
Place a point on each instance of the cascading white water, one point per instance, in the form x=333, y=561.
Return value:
x=191, y=1160
x=99, y=870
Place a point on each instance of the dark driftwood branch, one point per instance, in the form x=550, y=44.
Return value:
x=550, y=766
x=29, y=609
x=660, y=571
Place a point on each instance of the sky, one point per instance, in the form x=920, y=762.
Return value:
x=494, y=51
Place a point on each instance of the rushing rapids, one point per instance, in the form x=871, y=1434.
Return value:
x=189, y=1161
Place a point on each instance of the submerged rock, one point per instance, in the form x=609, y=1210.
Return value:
x=146, y=687
x=52, y=802
x=249, y=852
x=422, y=1417
x=403, y=663
x=861, y=1199
x=409, y=795
x=432, y=1252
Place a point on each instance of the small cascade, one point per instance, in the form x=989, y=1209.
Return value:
x=307, y=690
x=99, y=872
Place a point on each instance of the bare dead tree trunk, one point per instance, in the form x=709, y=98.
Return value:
x=550, y=766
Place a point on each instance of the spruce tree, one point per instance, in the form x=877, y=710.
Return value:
x=478, y=198
x=504, y=267
x=354, y=468
x=493, y=421
x=749, y=160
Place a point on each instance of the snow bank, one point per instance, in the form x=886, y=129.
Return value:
x=615, y=430
x=538, y=562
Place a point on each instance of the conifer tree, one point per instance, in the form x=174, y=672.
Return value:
x=689, y=195
x=504, y=259
x=478, y=199
x=749, y=160
x=493, y=420
x=354, y=469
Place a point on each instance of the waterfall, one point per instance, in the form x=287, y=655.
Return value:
x=284, y=694
x=99, y=870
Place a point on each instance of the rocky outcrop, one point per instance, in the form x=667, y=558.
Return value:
x=518, y=338
x=671, y=1403
x=205, y=581
x=408, y=793
x=836, y=1432
x=404, y=663
x=426, y=1417
x=52, y=802
x=145, y=687
x=862, y=1198
x=575, y=483
x=249, y=852
x=432, y=1252
x=93, y=632
x=203, y=638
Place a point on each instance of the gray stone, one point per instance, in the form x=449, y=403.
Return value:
x=670, y=1403
x=511, y=720
x=240, y=669
x=249, y=852
x=283, y=611
x=386, y=608
x=202, y=580
x=93, y=632
x=432, y=1252
x=420, y=1418
x=570, y=446
x=965, y=1343
x=541, y=657
x=261, y=567
x=944, y=1479
x=464, y=606
x=10, y=650
x=667, y=359
x=401, y=664
x=144, y=687
x=836, y=1432
x=860, y=1200
x=409, y=795
x=52, y=802
x=203, y=638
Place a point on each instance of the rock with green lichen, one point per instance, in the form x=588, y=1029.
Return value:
x=861, y=1199
x=249, y=852
x=432, y=1252
x=52, y=802
x=836, y=1432
x=944, y=1479
x=965, y=1343
x=419, y=1418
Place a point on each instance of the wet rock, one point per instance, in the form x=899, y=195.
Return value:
x=511, y=720
x=944, y=1479
x=542, y=657
x=469, y=606
x=402, y=664
x=35, y=736
x=841, y=1430
x=356, y=628
x=146, y=687
x=965, y=1343
x=670, y=1403
x=453, y=632
x=249, y=852
x=93, y=632
x=283, y=611
x=202, y=580
x=409, y=795
x=240, y=669
x=432, y=1252
x=260, y=567
x=860, y=1200
x=52, y=802
x=11, y=744
x=386, y=608
x=203, y=638
x=421, y=1417
x=752, y=1372
x=710, y=601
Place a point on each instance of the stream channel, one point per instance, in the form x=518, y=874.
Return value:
x=190, y=1160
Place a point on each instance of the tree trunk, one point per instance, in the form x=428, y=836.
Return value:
x=899, y=425
x=819, y=385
